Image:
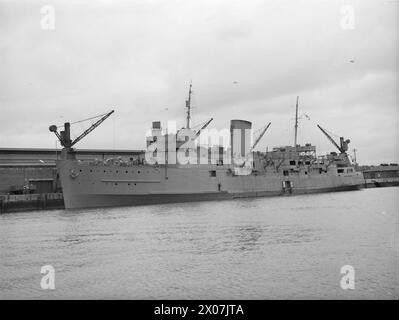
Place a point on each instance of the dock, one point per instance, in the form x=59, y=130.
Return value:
x=30, y=202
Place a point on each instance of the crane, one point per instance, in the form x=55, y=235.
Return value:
x=342, y=147
x=203, y=127
x=260, y=137
x=263, y=131
x=65, y=136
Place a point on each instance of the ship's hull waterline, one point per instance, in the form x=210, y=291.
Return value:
x=91, y=186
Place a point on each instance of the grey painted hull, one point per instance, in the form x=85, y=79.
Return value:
x=86, y=186
x=99, y=201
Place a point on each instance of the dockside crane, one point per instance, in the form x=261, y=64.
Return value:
x=65, y=136
x=342, y=147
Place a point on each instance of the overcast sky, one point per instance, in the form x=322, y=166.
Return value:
x=247, y=60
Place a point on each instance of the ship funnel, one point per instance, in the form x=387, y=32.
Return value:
x=240, y=138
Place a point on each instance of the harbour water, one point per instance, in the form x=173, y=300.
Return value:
x=264, y=248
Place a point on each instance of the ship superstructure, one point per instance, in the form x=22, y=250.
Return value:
x=177, y=168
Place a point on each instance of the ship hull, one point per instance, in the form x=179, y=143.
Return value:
x=78, y=201
x=86, y=186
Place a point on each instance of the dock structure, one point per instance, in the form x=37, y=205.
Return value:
x=384, y=175
x=29, y=202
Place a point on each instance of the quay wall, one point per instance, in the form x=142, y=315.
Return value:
x=29, y=202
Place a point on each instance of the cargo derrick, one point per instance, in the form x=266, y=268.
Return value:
x=342, y=158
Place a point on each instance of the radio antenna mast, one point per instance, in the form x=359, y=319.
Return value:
x=296, y=122
x=188, y=106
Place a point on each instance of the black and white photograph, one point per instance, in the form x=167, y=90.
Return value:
x=199, y=150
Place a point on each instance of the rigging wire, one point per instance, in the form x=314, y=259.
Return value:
x=87, y=119
x=304, y=115
x=197, y=125
x=332, y=133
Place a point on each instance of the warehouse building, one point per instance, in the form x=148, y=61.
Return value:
x=384, y=175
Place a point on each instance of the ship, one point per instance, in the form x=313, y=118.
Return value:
x=176, y=167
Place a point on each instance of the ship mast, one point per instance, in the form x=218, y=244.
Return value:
x=188, y=106
x=296, y=122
